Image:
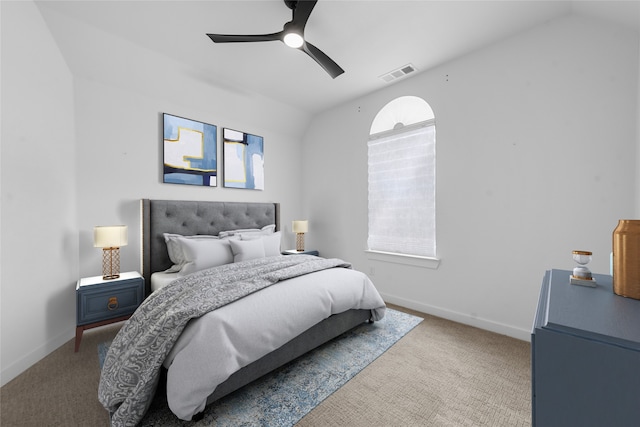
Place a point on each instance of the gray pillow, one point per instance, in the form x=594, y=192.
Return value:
x=270, y=242
x=174, y=248
x=207, y=253
x=244, y=250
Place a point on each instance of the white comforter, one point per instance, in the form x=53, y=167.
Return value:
x=216, y=345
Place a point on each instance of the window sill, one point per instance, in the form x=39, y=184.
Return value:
x=417, y=261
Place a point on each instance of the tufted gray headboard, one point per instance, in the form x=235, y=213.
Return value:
x=191, y=218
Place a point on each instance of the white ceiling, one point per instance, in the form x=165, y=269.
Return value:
x=366, y=38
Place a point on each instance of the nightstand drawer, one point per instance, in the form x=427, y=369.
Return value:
x=109, y=300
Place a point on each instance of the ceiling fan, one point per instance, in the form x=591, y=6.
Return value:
x=292, y=35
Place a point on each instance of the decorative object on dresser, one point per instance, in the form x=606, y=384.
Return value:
x=243, y=160
x=101, y=302
x=190, y=152
x=581, y=274
x=300, y=227
x=585, y=354
x=626, y=258
x=110, y=239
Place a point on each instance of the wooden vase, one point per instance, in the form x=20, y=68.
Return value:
x=626, y=258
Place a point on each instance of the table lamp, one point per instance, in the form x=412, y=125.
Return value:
x=110, y=239
x=300, y=227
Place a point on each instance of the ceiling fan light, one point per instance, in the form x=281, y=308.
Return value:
x=293, y=40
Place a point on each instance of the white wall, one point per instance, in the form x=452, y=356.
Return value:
x=505, y=184
x=39, y=247
x=638, y=146
x=121, y=92
x=536, y=140
x=120, y=162
x=100, y=114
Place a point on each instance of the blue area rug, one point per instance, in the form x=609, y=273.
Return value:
x=284, y=396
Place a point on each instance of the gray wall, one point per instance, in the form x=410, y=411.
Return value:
x=536, y=143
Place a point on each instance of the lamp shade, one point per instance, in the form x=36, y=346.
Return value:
x=112, y=236
x=300, y=226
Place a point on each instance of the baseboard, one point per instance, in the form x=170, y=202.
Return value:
x=12, y=371
x=489, y=325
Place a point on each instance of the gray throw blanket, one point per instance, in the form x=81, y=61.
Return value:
x=132, y=365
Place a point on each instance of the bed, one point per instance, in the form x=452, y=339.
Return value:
x=186, y=386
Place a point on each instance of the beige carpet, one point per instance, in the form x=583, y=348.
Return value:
x=440, y=374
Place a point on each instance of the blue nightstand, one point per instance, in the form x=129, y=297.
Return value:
x=100, y=302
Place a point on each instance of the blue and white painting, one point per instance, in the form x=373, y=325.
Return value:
x=190, y=152
x=243, y=160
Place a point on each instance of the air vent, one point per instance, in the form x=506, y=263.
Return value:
x=399, y=73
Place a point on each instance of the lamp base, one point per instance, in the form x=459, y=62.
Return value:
x=300, y=242
x=110, y=263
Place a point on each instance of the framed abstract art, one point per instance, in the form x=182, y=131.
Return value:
x=243, y=160
x=190, y=152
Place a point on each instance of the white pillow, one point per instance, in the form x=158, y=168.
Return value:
x=267, y=229
x=244, y=250
x=174, y=248
x=270, y=242
x=207, y=253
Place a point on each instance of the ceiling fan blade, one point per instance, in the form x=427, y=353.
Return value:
x=238, y=38
x=322, y=59
x=302, y=11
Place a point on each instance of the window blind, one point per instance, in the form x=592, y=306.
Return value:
x=402, y=192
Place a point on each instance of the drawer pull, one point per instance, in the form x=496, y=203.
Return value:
x=113, y=303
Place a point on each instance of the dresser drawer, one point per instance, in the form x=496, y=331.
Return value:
x=108, y=300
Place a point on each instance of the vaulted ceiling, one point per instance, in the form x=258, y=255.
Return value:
x=366, y=38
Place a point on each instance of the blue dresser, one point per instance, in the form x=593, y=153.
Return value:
x=585, y=355
x=101, y=302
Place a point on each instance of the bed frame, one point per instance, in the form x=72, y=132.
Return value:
x=204, y=217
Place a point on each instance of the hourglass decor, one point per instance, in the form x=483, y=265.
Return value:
x=581, y=274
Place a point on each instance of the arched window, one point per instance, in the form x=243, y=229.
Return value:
x=401, y=154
